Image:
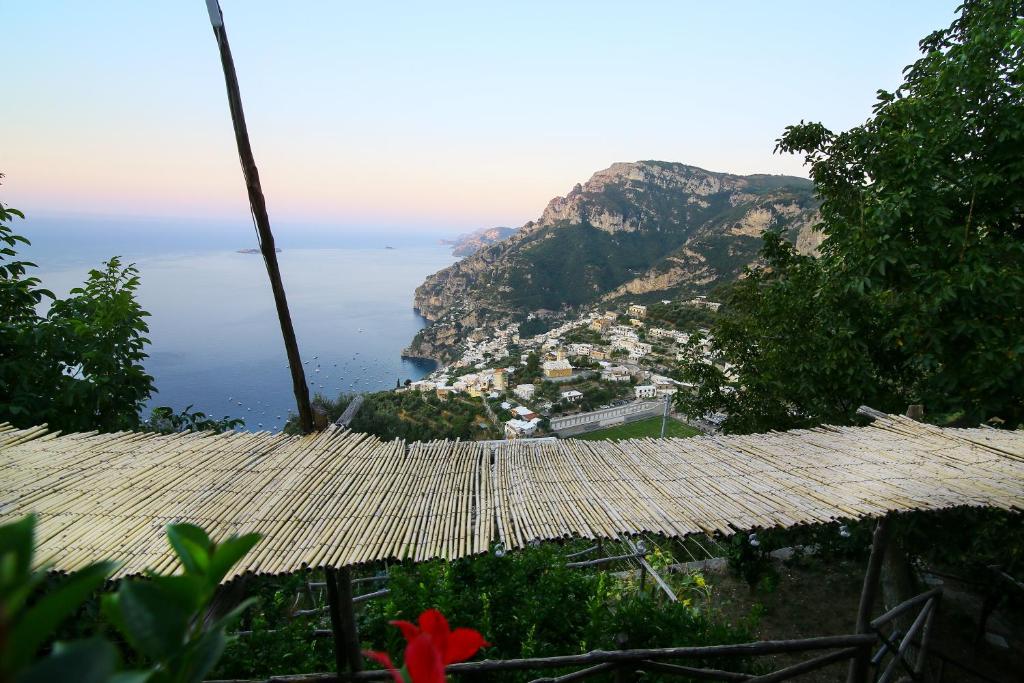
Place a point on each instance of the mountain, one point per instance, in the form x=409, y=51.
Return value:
x=471, y=242
x=651, y=229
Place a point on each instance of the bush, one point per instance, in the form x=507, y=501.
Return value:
x=78, y=368
x=527, y=603
x=169, y=635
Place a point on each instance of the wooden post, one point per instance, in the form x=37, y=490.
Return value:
x=320, y=418
x=258, y=206
x=626, y=671
x=920, y=661
x=337, y=628
x=858, y=670
x=347, y=653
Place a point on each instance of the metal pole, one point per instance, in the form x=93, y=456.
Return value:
x=664, y=416
x=258, y=205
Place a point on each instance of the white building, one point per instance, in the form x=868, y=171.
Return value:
x=639, y=350
x=579, y=349
x=702, y=302
x=517, y=429
x=571, y=396
x=645, y=391
x=616, y=373
x=524, y=413
x=666, y=386
x=525, y=391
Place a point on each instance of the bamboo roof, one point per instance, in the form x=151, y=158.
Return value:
x=340, y=498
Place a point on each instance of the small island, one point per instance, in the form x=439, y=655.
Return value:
x=256, y=251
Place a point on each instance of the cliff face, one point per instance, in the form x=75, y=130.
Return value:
x=470, y=243
x=633, y=229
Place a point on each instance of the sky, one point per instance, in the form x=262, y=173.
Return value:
x=424, y=117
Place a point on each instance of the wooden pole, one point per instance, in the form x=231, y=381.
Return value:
x=337, y=627
x=635, y=658
x=343, y=620
x=625, y=672
x=858, y=670
x=258, y=206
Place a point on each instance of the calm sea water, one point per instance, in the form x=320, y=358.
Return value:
x=216, y=341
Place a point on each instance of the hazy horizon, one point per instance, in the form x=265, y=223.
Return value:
x=396, y=120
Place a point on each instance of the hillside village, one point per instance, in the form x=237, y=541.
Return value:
x=596, y=362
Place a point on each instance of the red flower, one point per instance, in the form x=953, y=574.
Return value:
x=431, y=646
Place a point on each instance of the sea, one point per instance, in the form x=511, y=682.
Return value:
x=216, y=341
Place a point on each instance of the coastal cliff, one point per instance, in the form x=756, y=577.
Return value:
x=641, y=228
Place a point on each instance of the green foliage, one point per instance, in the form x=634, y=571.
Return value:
x=916, y=296
x=26, y=625
x=166, y=421
x=679, y=315
x=161, y=617
x=412, y=415
x=533, y=326
x=582, y=335
x=965, y=539
x=527, y=603
x=820, y=544
x=597, y=393
x=801, y=359
x=570, y=265
x=80, y=367
x=532, y=368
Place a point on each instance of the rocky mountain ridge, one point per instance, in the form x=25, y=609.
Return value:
x=469, y=243
x=646, y=228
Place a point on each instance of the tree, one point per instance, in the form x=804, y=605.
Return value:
x=532, y=364
x=96, y=337
x=79, y=367
x=802, y=351
x=917, y=294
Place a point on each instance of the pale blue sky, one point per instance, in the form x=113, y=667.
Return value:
x=429, y=116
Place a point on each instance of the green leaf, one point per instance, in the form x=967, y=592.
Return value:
x=39, y=622
x=228, y=553
x=131, y=677
x=16, y=550
x=187, y=590
x=149, y=620
x=83, y=661
x=192, y=546
x=202, y=656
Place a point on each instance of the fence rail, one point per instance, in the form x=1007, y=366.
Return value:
x=631, y=660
